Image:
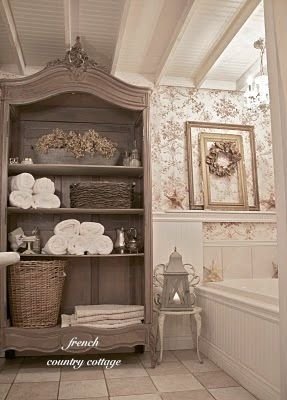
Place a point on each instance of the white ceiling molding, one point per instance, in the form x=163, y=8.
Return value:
x=217, y=84
x=5, y=12
x=121, y=34
x=71, y=13
x=177, y=35
x=223, y=41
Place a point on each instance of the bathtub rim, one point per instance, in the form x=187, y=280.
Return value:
x=256, y=308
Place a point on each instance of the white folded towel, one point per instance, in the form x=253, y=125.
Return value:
x=21, y=199
x=100, y=245
x=91, y=228
x=106, y=321
x=23, y=182
x=56, y=245
x=68, y=228
x=68, y=320
x=77, y=245
x=46, y=200
x=104, y=309
x=111, y=317
x=44, y=185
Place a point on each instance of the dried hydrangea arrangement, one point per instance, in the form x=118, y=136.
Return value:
x=79, y=144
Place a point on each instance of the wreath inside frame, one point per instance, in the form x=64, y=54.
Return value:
x=230, y=151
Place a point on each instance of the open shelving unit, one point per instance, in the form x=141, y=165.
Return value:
x=57, y=98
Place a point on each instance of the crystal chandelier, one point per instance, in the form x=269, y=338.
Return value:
x=257, y=93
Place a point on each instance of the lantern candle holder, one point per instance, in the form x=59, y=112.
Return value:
x=175, y=280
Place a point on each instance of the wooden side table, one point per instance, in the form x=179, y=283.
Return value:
x=194, y=312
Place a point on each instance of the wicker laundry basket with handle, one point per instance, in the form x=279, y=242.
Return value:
x=35, y=292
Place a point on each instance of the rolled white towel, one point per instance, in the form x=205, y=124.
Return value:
x=56, y=245
x=46, y=200
x=23, y=182
x=100, y=245
x=44, y=185
x=91, y=228
x=68, y=228
x=77, y=245
x=21, y=199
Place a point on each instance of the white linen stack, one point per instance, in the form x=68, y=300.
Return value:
x=44, y=194
x=80, y=238
x=28, y=193
x=105, y=316
x=56, y=245
x=21, y=187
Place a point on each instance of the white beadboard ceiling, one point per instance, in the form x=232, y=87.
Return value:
x=182, y=42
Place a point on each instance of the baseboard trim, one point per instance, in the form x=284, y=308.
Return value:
x=254, y=383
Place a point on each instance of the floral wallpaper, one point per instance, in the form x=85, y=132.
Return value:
x=171, y=107
x=239, y=231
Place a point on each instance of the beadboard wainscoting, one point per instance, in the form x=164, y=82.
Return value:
x=242, y=337
x=245, y=247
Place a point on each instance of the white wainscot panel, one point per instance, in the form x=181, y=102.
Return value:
x=186, y=236
x=237, y=262
x=243, y=340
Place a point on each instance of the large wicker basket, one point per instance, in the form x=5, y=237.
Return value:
x=35, y=292
x=101, y=195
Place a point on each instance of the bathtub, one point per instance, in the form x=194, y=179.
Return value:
x=240, y=332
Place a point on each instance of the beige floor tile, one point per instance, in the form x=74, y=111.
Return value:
x=36, y=362
x=4, y=387
x=38, y=375
x=138, y=397
x=83, y=389
x=195, y=366
x=35, y=391
x=168, y=368
x=130, y=386
x=189, y=395
x=8, y=375
x=232, y=393
x=214, y=380
x=168, y=356
x=176, y=383
x=186, y=355
x=94, y=398
x=70, y=374
x=126, y=371
x=126, y=358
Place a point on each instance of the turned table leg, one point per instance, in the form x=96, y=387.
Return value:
x=161, y=320
x=197, y=318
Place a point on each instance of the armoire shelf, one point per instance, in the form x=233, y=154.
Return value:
x=35, y=105
x=74, y=169
x=39, y=256
x=127, y=211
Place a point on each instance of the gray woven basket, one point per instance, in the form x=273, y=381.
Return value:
x=61, y=156
x=35, y=293
x=101, y=195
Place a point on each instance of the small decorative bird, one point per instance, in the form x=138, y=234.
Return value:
x=175, y=199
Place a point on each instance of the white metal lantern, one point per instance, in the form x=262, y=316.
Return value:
x=176, y=293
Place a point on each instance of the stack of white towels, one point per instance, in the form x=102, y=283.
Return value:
x=104, y=316
x=26, y=192
x=72, y=237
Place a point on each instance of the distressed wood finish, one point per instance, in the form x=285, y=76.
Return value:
x=50, y=340
x=34, y=105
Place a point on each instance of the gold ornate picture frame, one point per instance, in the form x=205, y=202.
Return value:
x=195, y=173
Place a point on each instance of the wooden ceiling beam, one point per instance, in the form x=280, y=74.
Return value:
x=223, y=41
x=121, y=34
x=72, y=25
x=176, y=37
x=7, y=16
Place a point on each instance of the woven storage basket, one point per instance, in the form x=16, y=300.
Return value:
x=101, y=195
x=35, y=292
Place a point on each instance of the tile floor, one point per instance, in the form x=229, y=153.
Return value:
x=179, y=377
